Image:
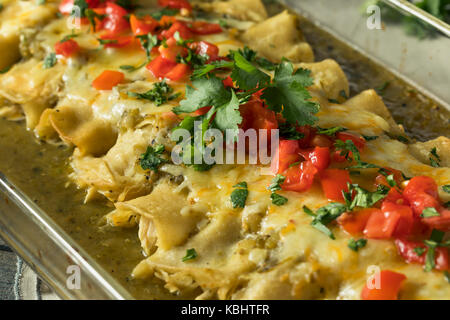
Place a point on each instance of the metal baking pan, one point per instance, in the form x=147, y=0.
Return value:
x=421, y=62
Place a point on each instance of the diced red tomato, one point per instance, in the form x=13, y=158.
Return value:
x=390, y=283
x=406, y=248
x=256, y=116
x=333, y=182
x=228, y=82
x=172, y=51
x=286, y=154
x=321, y=140
x=67, y=48
x=159, y=67
x=108, y=79
x=65, y=7
x=381, y=226
x=355, y=222
x=308, y=134
x=358, y=141
x=183, y=30
x=204, y=28
x=300, y=178
x=167, y=21
x=381, y=179
x=117, y=41
x=319, y=156
x=144, y=25
x=441, y=223
x=405, y=223
x=206, y=48
x=115, y=21
x=396, y=197
x=175, y=4
x=421, y=192
x=179, y=72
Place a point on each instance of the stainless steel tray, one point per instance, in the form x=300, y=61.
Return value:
x=424, y=63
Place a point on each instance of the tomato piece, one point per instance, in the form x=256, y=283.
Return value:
x=396, y=197
x=390, y=283
x=354, y=223
x=381, y=226
x=319, y=156
x=167, y=21
x=67, y=48
x=321, y=140
x=115, y=21
x=108, y=79
x=358, y=141
x=172, y=51
x=228, y=82
x=118, y=41
x=256, y=116
x=441, y=223
x=405, y=221
x=143, y=25
x=300, y=178
x=206, y=48
x=204, y=28
x=175, y=4
x=159, y=67
x=183, y=30
x=333, y=182
x=381, y=179
x=308, y=134
x=179, y=72
x=421, y=192
x=406, y=248
x=286, y=154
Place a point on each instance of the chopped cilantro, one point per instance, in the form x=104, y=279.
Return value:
x=164, y=12
x=287, y=94
x=419, y=251
x=429, y=213
x=447, y=276
x=151, y=159
x=68, y=37
x=330, y=131
x=246, y=75
x=345, y=149
x=355, y=245
x=435, y=160
x=239, y=195
x=289, y=132
x=191, y=254
x=446, y=188
x=159, y=94
x=276, y=183
x=148, y=42
x=91, y=16
x=107, y=41
x=363, y=198
x=50, y=60
x=369, y=138
x=277, y=199
x=326, y=215
x=435, y=240
x=131, y=68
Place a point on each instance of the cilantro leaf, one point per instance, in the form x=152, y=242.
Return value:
x=330, y=131
x=207, y=92
x=151, y=159
x=159, y=94
x=164, y=12
x=246, y=75
x=239, y=195
x=190, y=255
x=429, y=213
x=287, y=94
x=419, y=251
x=277, y=199
x=228, y=115
x=364, y=198
x=289, y=132
x=435, y=160
x=50, y=60
x=276, y=183
x=203, y=70
x=148, y=42
x=79, y=5
x=326, y=215
x=446, y=188
x=355, y=245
